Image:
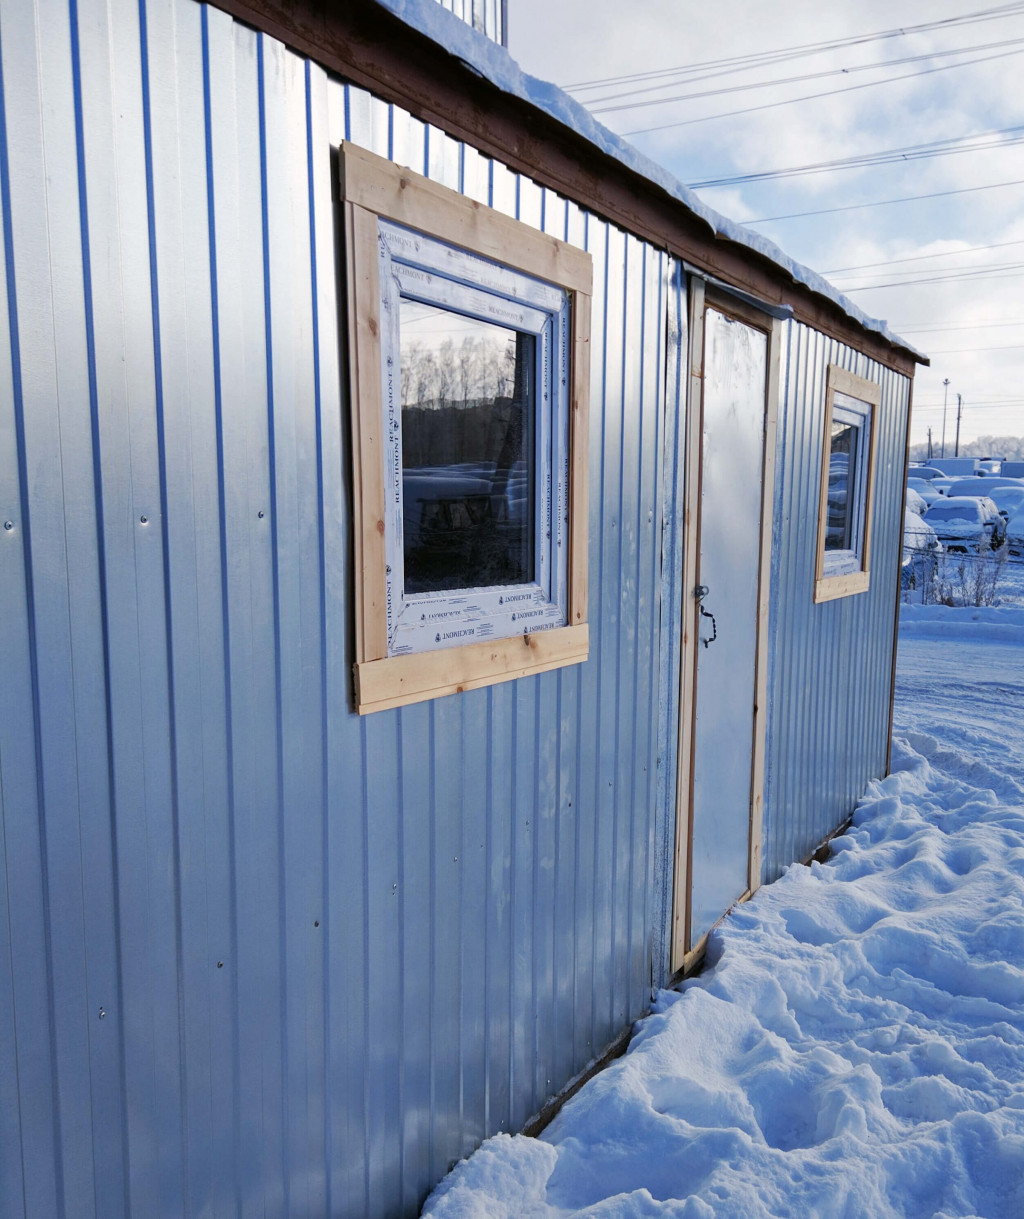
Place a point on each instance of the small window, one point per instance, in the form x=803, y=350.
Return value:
x=847, y=486
x=468, y=350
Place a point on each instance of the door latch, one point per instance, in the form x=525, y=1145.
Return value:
x=700, y=592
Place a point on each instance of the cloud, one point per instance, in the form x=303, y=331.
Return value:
x=576, y=40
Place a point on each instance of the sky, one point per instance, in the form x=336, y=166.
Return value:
x=917, y=263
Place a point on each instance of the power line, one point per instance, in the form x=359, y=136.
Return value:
x=919, y=328
x=940, y=279
x=949, y=272
x=808, y=97
x=738, y=63
x=973, y=249
x=595, y=106
x=853, y=207
x=980, y=409
x=956, y=351
x=1000, y=137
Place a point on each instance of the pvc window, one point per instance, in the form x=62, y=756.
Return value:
x=469, y=345
x=847, y=486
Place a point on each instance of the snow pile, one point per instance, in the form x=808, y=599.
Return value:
x=1004, y=622
x=857, y=1047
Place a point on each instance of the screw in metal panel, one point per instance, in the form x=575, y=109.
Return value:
x=220, y=964
x=103, y=1012
x=260, y=514
x=316, y=922
x=8, y=524
x=144, y=520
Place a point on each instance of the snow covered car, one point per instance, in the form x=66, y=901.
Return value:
x=982, y=486
x=921, y=548
x=967, y=524
x=1008, y=499
x=942, y=484
x=916, y=504
x=1015, y=532
x=923, y=488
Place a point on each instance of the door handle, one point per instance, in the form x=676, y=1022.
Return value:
x=700, y=592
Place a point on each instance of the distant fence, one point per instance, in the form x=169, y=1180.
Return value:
x=957, y=578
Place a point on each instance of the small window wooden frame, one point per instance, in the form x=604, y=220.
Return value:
x=854, y=569
x=372, y=190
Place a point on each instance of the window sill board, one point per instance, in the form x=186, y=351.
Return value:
x=396, y=681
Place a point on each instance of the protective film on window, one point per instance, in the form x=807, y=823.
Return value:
x=475, y=375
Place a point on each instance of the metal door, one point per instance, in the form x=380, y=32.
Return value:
x=723, y=621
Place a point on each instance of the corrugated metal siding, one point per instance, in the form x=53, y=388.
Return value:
x=259, y=956
x=829, y=664
x=487, y=16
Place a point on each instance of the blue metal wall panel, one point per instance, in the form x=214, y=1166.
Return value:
x=829, y=676
x=261, y=956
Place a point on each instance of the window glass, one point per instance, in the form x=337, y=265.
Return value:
x=467, y=438
x=842, y=466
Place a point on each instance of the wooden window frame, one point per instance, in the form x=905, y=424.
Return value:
x=373, y=189
x=829, y=587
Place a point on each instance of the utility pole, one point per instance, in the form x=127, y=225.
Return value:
x=959, y=408
x=945, y=391
x=929, y=444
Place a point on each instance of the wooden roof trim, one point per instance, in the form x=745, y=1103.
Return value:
x=369, y=46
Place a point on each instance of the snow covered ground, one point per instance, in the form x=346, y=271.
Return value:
x=856, y=1048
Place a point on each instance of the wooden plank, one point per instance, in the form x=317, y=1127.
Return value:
x=869, y=505
x=763, y=603
x=899, y=590
x=845, y=382
x=832, y=587
x=579, y=460
x=399, y=680
x=366, y=410
x=408, y=198
x=688, y=622
x=826, y=454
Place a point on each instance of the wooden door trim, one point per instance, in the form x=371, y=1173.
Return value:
x=680, y=930
x=699, y=299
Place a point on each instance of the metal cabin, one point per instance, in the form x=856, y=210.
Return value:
x=368, y=752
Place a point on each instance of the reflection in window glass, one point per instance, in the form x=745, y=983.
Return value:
x=468, y=486
x=841, y=481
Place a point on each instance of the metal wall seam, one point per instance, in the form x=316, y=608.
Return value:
x=826, y=732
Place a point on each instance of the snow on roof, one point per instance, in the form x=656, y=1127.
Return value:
x=493, y=62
